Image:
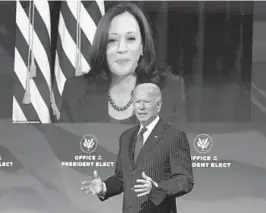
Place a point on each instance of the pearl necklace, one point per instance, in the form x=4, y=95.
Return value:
x=118, y=108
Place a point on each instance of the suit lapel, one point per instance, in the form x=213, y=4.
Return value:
x=132, y=140
x=153, y=138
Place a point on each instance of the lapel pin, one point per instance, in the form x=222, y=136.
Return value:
x=156, y=136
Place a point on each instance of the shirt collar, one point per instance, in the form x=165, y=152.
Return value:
x=151, y=125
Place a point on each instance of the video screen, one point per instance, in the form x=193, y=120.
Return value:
x=132, y=106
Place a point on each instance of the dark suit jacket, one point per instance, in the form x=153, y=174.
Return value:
x=165, y=157
x=84, y=101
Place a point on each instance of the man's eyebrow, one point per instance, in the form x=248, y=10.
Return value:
x=131, y=32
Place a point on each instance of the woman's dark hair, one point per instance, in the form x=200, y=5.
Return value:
x=98, y=60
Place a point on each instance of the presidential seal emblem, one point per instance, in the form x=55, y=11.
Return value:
x=88, y=143
x=203, y=143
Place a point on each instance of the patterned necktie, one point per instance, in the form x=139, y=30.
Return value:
x=139, y=143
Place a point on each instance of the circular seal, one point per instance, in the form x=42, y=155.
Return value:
x=88, y=143
x=203, y=143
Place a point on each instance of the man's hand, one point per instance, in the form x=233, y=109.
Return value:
x=93, y=187
x=145, y=186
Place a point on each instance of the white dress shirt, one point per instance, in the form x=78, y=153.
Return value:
x=150, y=127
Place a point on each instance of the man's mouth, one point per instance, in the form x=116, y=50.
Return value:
x=142, y=114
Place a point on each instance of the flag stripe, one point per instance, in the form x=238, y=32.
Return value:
x=37, y=102
x=85, y=47
x=25, y=5
x=42, y=7
x=64, y=61
x=69, y=46
x=58, y=85
x=93, y=9
x=17, y=109
x=86, y=21
x=69, y=14
x=27, y=109
x=41, y=27
x=100, y=4
x=42, y=34
x=87, y=24
x=42, y=86
x=60, y=77
x=38, y=50
x=69, y=21
x=19, y=88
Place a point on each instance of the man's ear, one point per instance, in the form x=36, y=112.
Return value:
x=159, y=104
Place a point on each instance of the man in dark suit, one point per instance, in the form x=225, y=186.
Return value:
x=153, y=164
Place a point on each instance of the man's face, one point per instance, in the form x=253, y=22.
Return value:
x=146, y=106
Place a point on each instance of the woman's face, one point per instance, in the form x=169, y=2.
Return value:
x=124, y=44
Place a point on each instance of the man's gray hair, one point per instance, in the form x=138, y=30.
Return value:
x=154, y=89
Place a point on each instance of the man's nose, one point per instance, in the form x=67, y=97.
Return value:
x=141, y=105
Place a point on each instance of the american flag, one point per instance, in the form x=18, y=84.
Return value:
x=37, y=97
x=32, y=85
x=78, y=21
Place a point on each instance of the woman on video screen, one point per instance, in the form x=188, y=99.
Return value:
x=122, y=56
